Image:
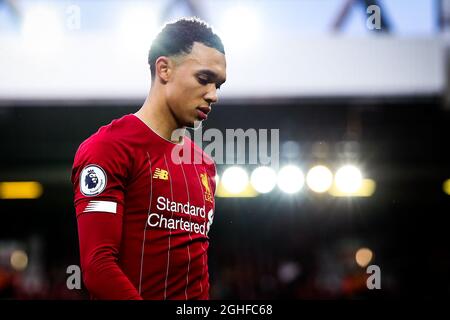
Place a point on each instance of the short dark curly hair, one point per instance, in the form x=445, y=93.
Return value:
x=179, y=37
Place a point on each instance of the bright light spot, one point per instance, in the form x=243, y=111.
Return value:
x=235, y=179
x=263, y=179
x=348, y=179
x=42, y=27
x=138, y=26
x=217, y=179
x=20, y=190
x=288, y=271
x=367, y=189
x=446, y=186
x=363, y=257
x=319, y=179
x=240, y=26
x=290, y=179
x=19, y=260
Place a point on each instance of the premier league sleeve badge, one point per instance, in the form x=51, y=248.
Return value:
x=92, y=180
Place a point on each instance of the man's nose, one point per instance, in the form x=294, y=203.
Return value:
x=211, y=95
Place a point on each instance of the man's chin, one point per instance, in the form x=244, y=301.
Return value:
x=195, y=125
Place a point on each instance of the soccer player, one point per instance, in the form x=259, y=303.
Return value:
x=144, y=198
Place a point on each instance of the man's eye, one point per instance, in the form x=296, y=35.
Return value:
x=203, y=81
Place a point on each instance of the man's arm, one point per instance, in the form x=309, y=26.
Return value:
x=99, y=177
x=99, y=237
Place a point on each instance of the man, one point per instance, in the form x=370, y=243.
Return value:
x=144, y=206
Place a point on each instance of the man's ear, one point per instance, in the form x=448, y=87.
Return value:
x=163, y=68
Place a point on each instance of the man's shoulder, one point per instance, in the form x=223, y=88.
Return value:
x=107, y=138
x=116, y=129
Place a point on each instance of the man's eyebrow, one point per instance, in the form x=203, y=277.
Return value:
x=211, y=74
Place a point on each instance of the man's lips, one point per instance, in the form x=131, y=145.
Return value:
x=203, y=112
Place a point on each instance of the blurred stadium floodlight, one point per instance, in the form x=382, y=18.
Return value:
x=263, y=179
x=19, y=260
x=235, y=179
x=348, y=179
x=234, y=183
x=446, y=186
x=217, y=178
x=363, y=257
x=319, y=179
x=290, y=179
x=20, y=190
x=367, y=189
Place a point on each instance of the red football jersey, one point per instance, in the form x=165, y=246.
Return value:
x=144, y=207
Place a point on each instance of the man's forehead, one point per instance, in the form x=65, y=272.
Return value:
x=201, y=50
x=205, y=58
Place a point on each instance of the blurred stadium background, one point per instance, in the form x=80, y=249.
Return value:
x=342, y=94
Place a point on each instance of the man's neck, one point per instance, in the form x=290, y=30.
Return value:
x=158, y=117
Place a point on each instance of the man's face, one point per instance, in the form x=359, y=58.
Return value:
x=194, y=83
